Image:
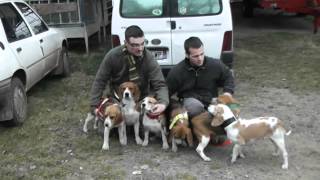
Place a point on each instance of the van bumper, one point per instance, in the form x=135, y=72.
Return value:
x=5, y=103
x=227, y=59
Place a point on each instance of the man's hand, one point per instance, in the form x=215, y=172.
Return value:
x=227, y=94
x=158, y=109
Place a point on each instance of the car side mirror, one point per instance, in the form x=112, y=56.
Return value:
x=1, y=45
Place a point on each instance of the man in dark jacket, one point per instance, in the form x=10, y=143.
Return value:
x=131, y=62
x=197, y=78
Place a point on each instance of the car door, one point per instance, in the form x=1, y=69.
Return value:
x=201, y=18
x=22, y=43
x=153, y=18
x=46, y=38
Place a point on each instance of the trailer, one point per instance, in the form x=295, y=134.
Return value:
x=76, y=18
x=305, y=7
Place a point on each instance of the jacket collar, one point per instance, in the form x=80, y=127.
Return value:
x=194, y=68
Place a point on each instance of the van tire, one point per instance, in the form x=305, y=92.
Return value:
x=247, y=8
x=18, y=102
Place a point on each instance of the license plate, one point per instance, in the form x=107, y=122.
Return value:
x=159, y=55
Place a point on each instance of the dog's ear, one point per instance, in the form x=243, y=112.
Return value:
x=217, y=119
x=119, y=117
x=225, y=99
x=136, y=93
x=189, y=137
x=119, y=91
x=138, y=106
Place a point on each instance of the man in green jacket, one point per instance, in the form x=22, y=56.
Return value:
x=131, y=62
x=196, y=79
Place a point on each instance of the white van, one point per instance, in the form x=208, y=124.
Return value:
x=168, y=23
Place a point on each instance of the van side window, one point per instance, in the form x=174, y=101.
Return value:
x=13, y=23
x=142, y=8
x=198, y=7
x=35, y=22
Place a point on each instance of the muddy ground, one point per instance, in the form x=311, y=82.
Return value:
x=277, y=73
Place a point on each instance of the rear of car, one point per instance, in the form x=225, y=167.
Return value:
x=29, y=50
x=168, y=23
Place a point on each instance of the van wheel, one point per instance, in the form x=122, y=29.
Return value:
x=18, y=101
x=247, y=8
x=64, y=59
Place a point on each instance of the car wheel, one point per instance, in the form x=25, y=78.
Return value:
x=64, y=59
x=19, y=102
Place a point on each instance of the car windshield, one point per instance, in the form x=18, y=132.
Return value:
x=178, y=8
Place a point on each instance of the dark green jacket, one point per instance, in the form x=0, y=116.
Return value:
x=114, y=70
x=202, y=82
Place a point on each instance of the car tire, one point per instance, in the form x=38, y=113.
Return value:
x=63, y=68
x=64, y=59
x=18, y=102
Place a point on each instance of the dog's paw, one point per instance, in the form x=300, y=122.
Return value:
x=138, y=140
x=123, y=142
x=241, y=155
x=174, y=149
x=105, y=147
x=206, y=158
x=85, y=129
x=233, y=160
x=284, y=166
x=165, y=146
x=145, y=143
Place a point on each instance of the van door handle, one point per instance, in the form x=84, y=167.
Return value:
x=2, y=46
x=41, y=40
x=173, y=24
x=19, y=49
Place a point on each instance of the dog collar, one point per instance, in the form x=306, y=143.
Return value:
x=233, y=106
x=181, y=116
x=227, y=122
x=100, y=109
x=154, y=117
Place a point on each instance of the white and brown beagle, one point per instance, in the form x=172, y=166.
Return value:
x=241, y=131
x=129, y=95
x=155, y=124
x=96, y=116
x=113, y=118
x=180, y=131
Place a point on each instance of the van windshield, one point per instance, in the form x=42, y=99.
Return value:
x=160, y=8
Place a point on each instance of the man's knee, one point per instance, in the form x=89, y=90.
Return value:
x=193, y=106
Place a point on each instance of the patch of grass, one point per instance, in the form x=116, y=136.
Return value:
x=280, y=60
x=86, y=63
x=185, y=176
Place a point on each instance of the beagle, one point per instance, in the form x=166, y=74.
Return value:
x=155, y=124
x=179, y=128
x=113, y=118
x=129, y=95
x=98, y=113
x=241, y=131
